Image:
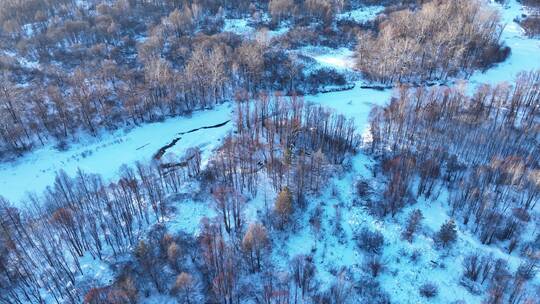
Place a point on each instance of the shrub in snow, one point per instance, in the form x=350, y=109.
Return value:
x=415, y=255
x=341, y=289
x=429, y=290
x=371, y=292
x=362, y=188
x=183, y=287
x=530, y=248
x=374, y=265
x=500, y=273
x=62, y=145
x=303, y=271
x=324, y=77
x=315, y=219
x=101, y=295
x=531, y=25
x=413, y=222
x=447, y=235
x=370, y=241
x=522, y=214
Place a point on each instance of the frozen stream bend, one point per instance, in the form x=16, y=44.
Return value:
x=104, y=155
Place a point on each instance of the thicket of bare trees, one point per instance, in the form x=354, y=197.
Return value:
x=482, y=147
x=106, y=65
x=291, y=141
x=502, y=284
x=42, y=246
x=128, y=62
x=531, y=23
x=292, y=144
x=107, y=95
x=131, y=61
x=444, y=38
x=485, y=140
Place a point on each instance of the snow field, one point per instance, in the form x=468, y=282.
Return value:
x=105, y=154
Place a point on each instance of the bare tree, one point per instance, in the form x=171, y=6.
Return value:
x=255, y=241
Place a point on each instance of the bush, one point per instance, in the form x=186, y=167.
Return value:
x=413, y=222
x=415, y=255
x=429, y=290
x=371, y=292
x=370, y=241
x=473, y=287
x=299, y=36
x=447, y=235
x=374, y=265
x=362, y=188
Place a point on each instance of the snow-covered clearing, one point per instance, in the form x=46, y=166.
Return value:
x=525, y=55
x=23, y=62
x=361, y=14
x=340, y=59
x=238, y=26
x=104, y=155
x=243, y=26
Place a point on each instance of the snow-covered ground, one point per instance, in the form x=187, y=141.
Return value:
x=331, y=249
x=340, y=59
x=525, y=55
x=361, y=14
x=242, y=26
x=238, y=26
x=104, y=155
x=23, y=62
